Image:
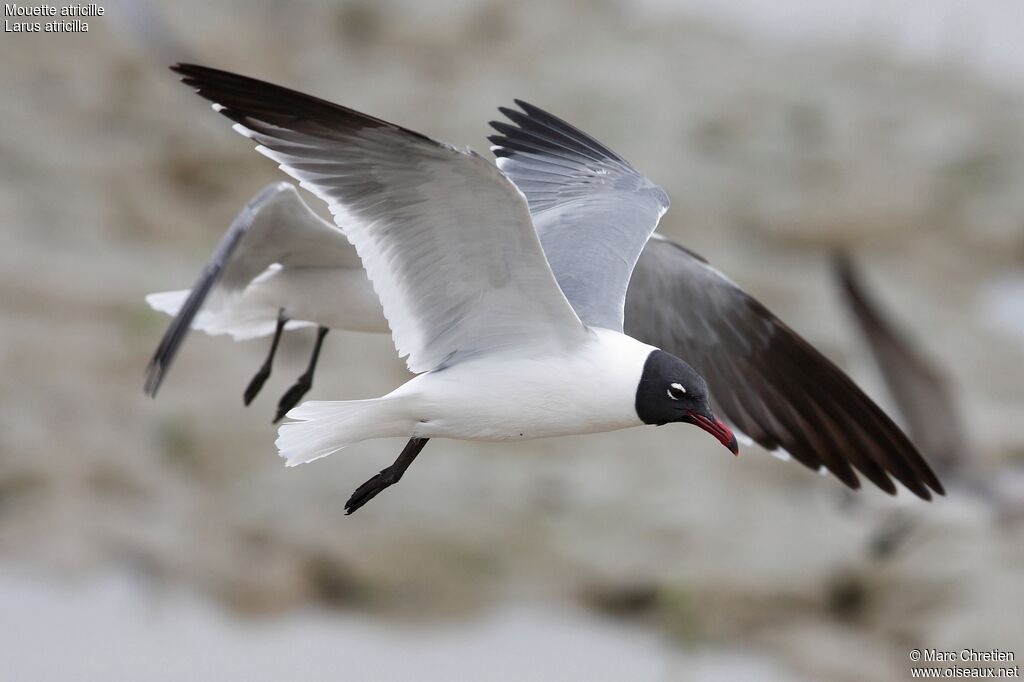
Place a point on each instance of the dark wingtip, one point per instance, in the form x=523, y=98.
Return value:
x=885, y=484
x=538, y=131
x=852, y=286
x=253, y=101
x=846, y=475
x=185, y=69
x=923, y=493
x=923, y=487
x=527, y=107
x=154, y=377
x=919, y=487
x=846, y=274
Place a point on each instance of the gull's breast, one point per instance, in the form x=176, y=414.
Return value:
x=589, y=390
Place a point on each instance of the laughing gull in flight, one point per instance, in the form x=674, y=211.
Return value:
x=676, y=300
x=278, y=264
x=501, y=352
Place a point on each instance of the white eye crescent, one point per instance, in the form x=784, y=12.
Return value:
x=676, y=391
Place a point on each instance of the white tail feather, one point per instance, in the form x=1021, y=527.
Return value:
x=169, y=302
x=243, y=319
x=324, y=427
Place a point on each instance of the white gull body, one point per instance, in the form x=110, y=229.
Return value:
x=589, y=387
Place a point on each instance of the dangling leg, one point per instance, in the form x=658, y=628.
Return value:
x=305, y=382
x=261, y=376
x=387, y=477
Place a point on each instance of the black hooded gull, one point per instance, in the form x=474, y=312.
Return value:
x=449, y=245
x=677, y=301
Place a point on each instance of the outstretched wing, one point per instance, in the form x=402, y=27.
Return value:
x=770, y=383
x=593, y=211
x=445, y=238
x=276, y=226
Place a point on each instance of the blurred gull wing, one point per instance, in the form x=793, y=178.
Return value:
x=446, y=239
x=593, y=211
x=919, y=389
x=286, y=231
x=276, y=226
x=764, y=378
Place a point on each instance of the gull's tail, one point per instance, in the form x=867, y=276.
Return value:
x=243, y=319
x=324, y=427
x=169, y=302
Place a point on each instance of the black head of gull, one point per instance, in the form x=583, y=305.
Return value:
x=672, y=391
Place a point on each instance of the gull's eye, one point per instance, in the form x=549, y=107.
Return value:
x=676, y=391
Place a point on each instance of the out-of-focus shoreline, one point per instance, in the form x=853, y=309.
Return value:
x=115, y=181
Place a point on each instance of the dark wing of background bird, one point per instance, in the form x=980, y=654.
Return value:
x=765, y=379
x=919, y=389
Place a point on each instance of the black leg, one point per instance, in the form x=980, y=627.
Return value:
x=387, y=477
x=261, y=376
x=305, y=382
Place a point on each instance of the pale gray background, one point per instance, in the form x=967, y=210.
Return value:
x=165, y=540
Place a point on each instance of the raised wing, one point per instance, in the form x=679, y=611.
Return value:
x=593, y=211
x=445, y=238
x=276, y=226
x=765, y=379
x=918, y=387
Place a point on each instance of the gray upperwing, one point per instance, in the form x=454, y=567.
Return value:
x=592, y=210
x=445, y=238
x=283, y=229
x=764, y=378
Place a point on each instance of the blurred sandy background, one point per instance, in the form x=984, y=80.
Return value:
x=165, y=540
